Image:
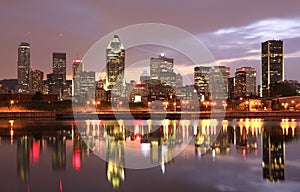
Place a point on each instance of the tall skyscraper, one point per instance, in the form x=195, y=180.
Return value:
x=115, y=63
x=77, y=68
x=245, y=83
x=202, y=75
x=272, y=65
x=23, y=68
x=59, y=62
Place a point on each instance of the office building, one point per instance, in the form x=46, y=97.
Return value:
x=77, y=68
x=272, y=65
x=211, y=82
x=87, y=84
x=162, y=68
x=115, y=64
x=23, y=68
x=247, y=75
x=37, y=82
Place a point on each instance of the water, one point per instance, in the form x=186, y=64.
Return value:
x=236, y=155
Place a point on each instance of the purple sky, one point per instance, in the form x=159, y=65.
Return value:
x=231, y=29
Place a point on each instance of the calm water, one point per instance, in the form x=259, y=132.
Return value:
x=236, y=155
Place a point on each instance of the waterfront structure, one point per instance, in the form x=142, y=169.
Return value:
x=23, y=68
x=211, y=82
x=77, y=68
x=115, y=64
x=272, y=65
x=37, y=81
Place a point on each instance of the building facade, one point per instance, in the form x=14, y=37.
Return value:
x=23, y=68
x=37, y=81
x=77, y=68
x=115, y=63
x=272, y=65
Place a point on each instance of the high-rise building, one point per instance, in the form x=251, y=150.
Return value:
x=240, y=83
x=162, y=68
x=55, y=84
x=212, y=82
x=202, y=76
x=272, y=65
x=36, y=83
x=77, y=68
x=23, y=68
x=87, y=84
x=115, y=64
x=59, y=62
x=231, y=83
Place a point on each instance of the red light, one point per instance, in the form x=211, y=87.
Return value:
x=36, y=152
x=76, y=160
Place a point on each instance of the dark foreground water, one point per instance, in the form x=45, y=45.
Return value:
x=236, y=155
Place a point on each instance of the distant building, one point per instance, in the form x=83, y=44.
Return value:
x=55, y=84
x=115, y=63
x=231, y=85
x=179, y=80
x=77, y=68
x=36, y=83
x=11, y=84
x=162, y=68
x=250, y=80
x=100, y=93
x=240, y=83
x=87, y=84
x=23, y=68
x=212, y=82
x=144, y=76
x=59, y=61
x=272, y=65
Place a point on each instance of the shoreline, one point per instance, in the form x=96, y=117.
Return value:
x=52, y=115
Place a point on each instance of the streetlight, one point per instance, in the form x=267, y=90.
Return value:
x=285, y=105
x=224, y=105
x=174, y=104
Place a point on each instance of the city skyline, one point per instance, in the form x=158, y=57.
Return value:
x=240, y=37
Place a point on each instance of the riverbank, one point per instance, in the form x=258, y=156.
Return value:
x=52, y=115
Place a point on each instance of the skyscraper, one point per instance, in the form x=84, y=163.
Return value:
x=59, y=71
x=245, y=83
x=272, y=65
x=23, y=68
x=115, y=63
x=212, y=82
x=77, y=68
x=162, y=68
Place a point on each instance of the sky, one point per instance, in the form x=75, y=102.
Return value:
x=232, y=30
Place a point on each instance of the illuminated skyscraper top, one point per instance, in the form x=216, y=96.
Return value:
x=59, y=63
x=115, y=63
x=272, y=65
x=23, y=68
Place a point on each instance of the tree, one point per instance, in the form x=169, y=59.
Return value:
x=282, y=89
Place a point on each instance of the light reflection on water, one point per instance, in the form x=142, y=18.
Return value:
x=35, y=146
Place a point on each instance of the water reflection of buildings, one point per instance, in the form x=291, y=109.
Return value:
x=157, y=140
x=31, y=139
x=274, y=139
